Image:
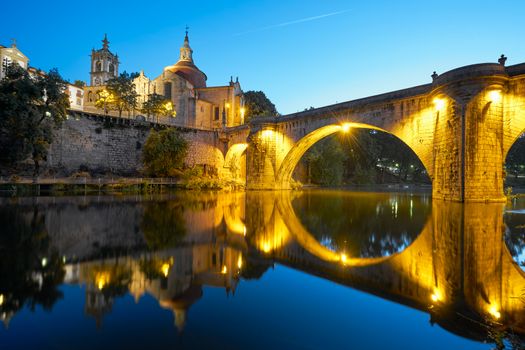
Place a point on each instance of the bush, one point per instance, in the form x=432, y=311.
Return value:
x=164, y=153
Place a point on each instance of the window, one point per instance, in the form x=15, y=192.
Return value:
x=90, y=96
x=5, y=63
x=216, y=113
x=167, y=90
x=112, y=69
x=98, y=66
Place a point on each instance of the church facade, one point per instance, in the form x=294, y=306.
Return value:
x=196, y=105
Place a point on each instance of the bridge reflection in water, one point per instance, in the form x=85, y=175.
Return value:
x=457, y=268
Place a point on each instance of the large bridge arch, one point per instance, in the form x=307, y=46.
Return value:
x=294, y=155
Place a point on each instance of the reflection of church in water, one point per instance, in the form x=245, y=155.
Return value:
x=195, y=103
x=175, y=278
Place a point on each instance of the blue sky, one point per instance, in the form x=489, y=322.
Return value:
x=300, y=53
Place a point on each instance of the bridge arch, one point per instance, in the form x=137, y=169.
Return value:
x=234, y=168
x=294, y=155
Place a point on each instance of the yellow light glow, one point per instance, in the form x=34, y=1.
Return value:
x=239, y=261
x=165, y=269
x=44, y=262
x=224, y=269
x=243, y=110
x=495, y=96
x=436, y=296
x=101, y=280
x=244, y=231
x=344, y=258
x=1, y=299
x=267, y=134
x=493, y=310
x=439, y=104
x=346, y=127
x=266, y=247
x=227, y=105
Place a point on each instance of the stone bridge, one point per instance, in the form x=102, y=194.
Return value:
x=461, y=126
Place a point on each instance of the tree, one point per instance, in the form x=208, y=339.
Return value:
x=79, y=83
x=158, y=105
x=164, y=153
x=120, y=94
x=258, y=105
x=30, y=109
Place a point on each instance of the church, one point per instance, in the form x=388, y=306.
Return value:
x=196, y=104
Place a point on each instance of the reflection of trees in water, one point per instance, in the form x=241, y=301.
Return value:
x=29, y=272
x=163, y=224
x=367, y=225
x=515, y=236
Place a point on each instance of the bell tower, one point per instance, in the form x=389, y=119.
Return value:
x=104, y=64
x=186, y=51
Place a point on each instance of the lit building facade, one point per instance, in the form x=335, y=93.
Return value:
x=10, y=55
x=183, y=83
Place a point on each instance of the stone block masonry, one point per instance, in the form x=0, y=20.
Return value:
x=103, y=145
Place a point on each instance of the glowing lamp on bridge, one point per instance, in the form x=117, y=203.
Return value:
x=344, y=258
x=224, y=269
x=267, y=134
x=495, y=96
x=346, y=127
x=439, y=104
x=436, y=296
x=493, y=310
x=1, y=299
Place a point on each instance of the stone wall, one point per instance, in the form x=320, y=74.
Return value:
x=112, y=145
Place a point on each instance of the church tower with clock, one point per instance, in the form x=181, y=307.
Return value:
x=104, y=64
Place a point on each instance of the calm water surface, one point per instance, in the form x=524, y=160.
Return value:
x=300, y=270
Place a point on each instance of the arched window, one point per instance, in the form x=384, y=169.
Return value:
x=90, y=97
x=112, y=69
x=98, y=66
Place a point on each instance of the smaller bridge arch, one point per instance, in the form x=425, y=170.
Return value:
x=235, y=163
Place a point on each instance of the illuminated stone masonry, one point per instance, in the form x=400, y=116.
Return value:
x=461, y=126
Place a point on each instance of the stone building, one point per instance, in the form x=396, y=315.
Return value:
x=10, y=55
x=183, y=83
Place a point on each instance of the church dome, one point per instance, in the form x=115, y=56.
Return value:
x=186, y=68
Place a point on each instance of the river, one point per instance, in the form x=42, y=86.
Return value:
x=261, y=270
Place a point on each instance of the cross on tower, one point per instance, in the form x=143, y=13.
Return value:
x=187, y=29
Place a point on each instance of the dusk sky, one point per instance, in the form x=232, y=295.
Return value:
x=300, y=53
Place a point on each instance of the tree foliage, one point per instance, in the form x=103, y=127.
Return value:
x=164, y=153
x=362, y=157
x=120, y=94
x=158, y=105
x=258, y=105
x=30, y=108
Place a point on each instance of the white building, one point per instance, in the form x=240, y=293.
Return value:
x=9, y=55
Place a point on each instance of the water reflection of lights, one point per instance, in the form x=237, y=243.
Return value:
x=1, y=299
x=102, y=279
x=344, y=258
x=239, y=262
x=165, y=269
